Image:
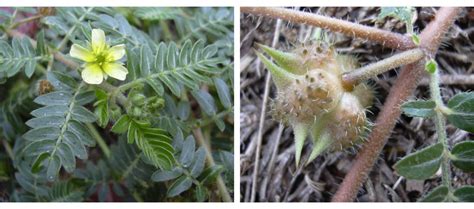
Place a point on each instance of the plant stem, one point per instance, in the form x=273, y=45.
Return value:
x=26, y=20
x=98, y=138
x=403, y=88
x=8, y=149
x=207, y=121
x=440, y=122
x=210, y=160
x=352, y=78
x=386, y=38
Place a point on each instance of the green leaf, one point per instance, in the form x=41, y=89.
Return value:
x=160, y=176
x=187, y=152
x=223, y=92
x=54, y=98
x=43, y=133
x=157, y=13
x=54, y=164
x=102, y=108
x=64, y=192
x=199, y=161
x=52, y=110
x=404, y=14
x=431, y=66
x=154, y=142
x=182, y=184
x=416, y=39
x=122, y=124
x=419, y=108
x=82, y=114
x=201, y=193
x=462, y=106
x=439, y=194
x=463, y=156
x=210, y=174
x=422, y=164
x=47, y=121
x=465, y=194
x=205, y=101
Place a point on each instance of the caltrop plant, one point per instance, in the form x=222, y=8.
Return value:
x=116, y=104
x=323, y=93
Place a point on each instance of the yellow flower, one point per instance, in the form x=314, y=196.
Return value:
x=100, y=59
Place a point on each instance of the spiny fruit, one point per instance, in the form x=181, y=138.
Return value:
x=311, y=98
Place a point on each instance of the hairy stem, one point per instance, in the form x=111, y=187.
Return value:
x=440, y=122
x=352, y=78
x=404, y=86
x=386, y=38
x=210, y=160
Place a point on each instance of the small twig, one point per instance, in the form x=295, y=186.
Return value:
x=352, y=78
x=386, y=38
x=262, y=118
x=210, y=160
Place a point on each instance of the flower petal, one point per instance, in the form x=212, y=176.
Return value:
x=92, y=74
x=116, y=52
x=115, y=70
x=98, y=40
x=81, y=53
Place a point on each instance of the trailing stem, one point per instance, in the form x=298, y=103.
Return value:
x=352, y=78
x=386, y=38
x=403, y=88
x=440, y=122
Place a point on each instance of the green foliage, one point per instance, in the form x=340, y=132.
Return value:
x=463, y=156
x=405, y=14
x=464, y=194
x=154, y=142
x=189, y=171
x=462, y=107
x=21, y=55
x=58, y=134
x=422, y=164
x=439, y=194
x=431, y=66
x=180, y=79
x=154, y=13
x=419, y=108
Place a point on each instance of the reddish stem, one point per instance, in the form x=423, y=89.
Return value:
x=403, y=88
x=386, y=38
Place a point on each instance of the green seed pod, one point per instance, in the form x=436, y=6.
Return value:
x=138, y=99
x=116, y=112
x=311, y=99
